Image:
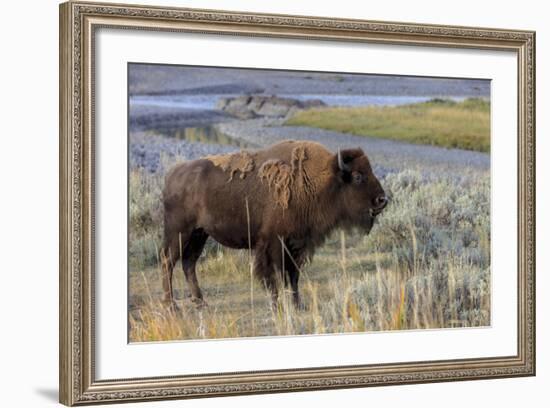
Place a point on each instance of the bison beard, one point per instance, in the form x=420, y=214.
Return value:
x=286, y=199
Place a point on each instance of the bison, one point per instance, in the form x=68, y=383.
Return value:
x=280, y=202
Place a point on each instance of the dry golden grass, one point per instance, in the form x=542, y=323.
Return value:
x=343, y=292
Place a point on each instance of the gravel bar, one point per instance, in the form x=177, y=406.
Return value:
x=147, y=150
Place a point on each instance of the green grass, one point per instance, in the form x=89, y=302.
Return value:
x=439, y=122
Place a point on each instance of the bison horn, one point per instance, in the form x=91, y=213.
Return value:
x=341, y=165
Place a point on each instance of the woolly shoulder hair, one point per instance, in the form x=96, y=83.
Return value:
x=240, y=162
x=288, y=181
x=295, y=171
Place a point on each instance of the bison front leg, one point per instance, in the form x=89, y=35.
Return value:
x=294, y=275
x=292, y=266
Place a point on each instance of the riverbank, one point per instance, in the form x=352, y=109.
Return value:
x=464, y=125
x=189, y=127
x=153, y=151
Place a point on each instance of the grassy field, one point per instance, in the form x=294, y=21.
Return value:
x=464, y=125
x=426, y=264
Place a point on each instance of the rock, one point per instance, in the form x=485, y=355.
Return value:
x=253, y=106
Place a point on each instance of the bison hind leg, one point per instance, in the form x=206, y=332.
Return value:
x=191, y=254
x=175, y=241
x=169, y=255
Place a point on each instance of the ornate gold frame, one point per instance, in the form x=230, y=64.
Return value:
x=78, y=22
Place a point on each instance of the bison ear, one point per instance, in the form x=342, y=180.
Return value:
x=343, y=163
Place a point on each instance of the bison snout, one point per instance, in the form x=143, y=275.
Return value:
x=380, y=202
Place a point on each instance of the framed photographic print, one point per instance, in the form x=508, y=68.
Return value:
x=256, y=203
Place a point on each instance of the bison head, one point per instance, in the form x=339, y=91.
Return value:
x=362, y=196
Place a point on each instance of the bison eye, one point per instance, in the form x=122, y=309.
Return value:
x=357, y=177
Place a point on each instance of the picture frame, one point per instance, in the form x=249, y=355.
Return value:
x=79, y=24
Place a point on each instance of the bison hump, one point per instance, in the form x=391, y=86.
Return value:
x=241, y=162
x=292, y=170
x=288, y=181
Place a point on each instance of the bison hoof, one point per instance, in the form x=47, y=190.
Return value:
x=171, y=306
x=199, y=302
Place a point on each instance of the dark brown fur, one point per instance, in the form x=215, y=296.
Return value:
x=287, y=197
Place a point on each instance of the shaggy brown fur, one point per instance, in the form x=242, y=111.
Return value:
x=278, y=175
x=297, y=178
x=288, y=198
x=242, y=162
